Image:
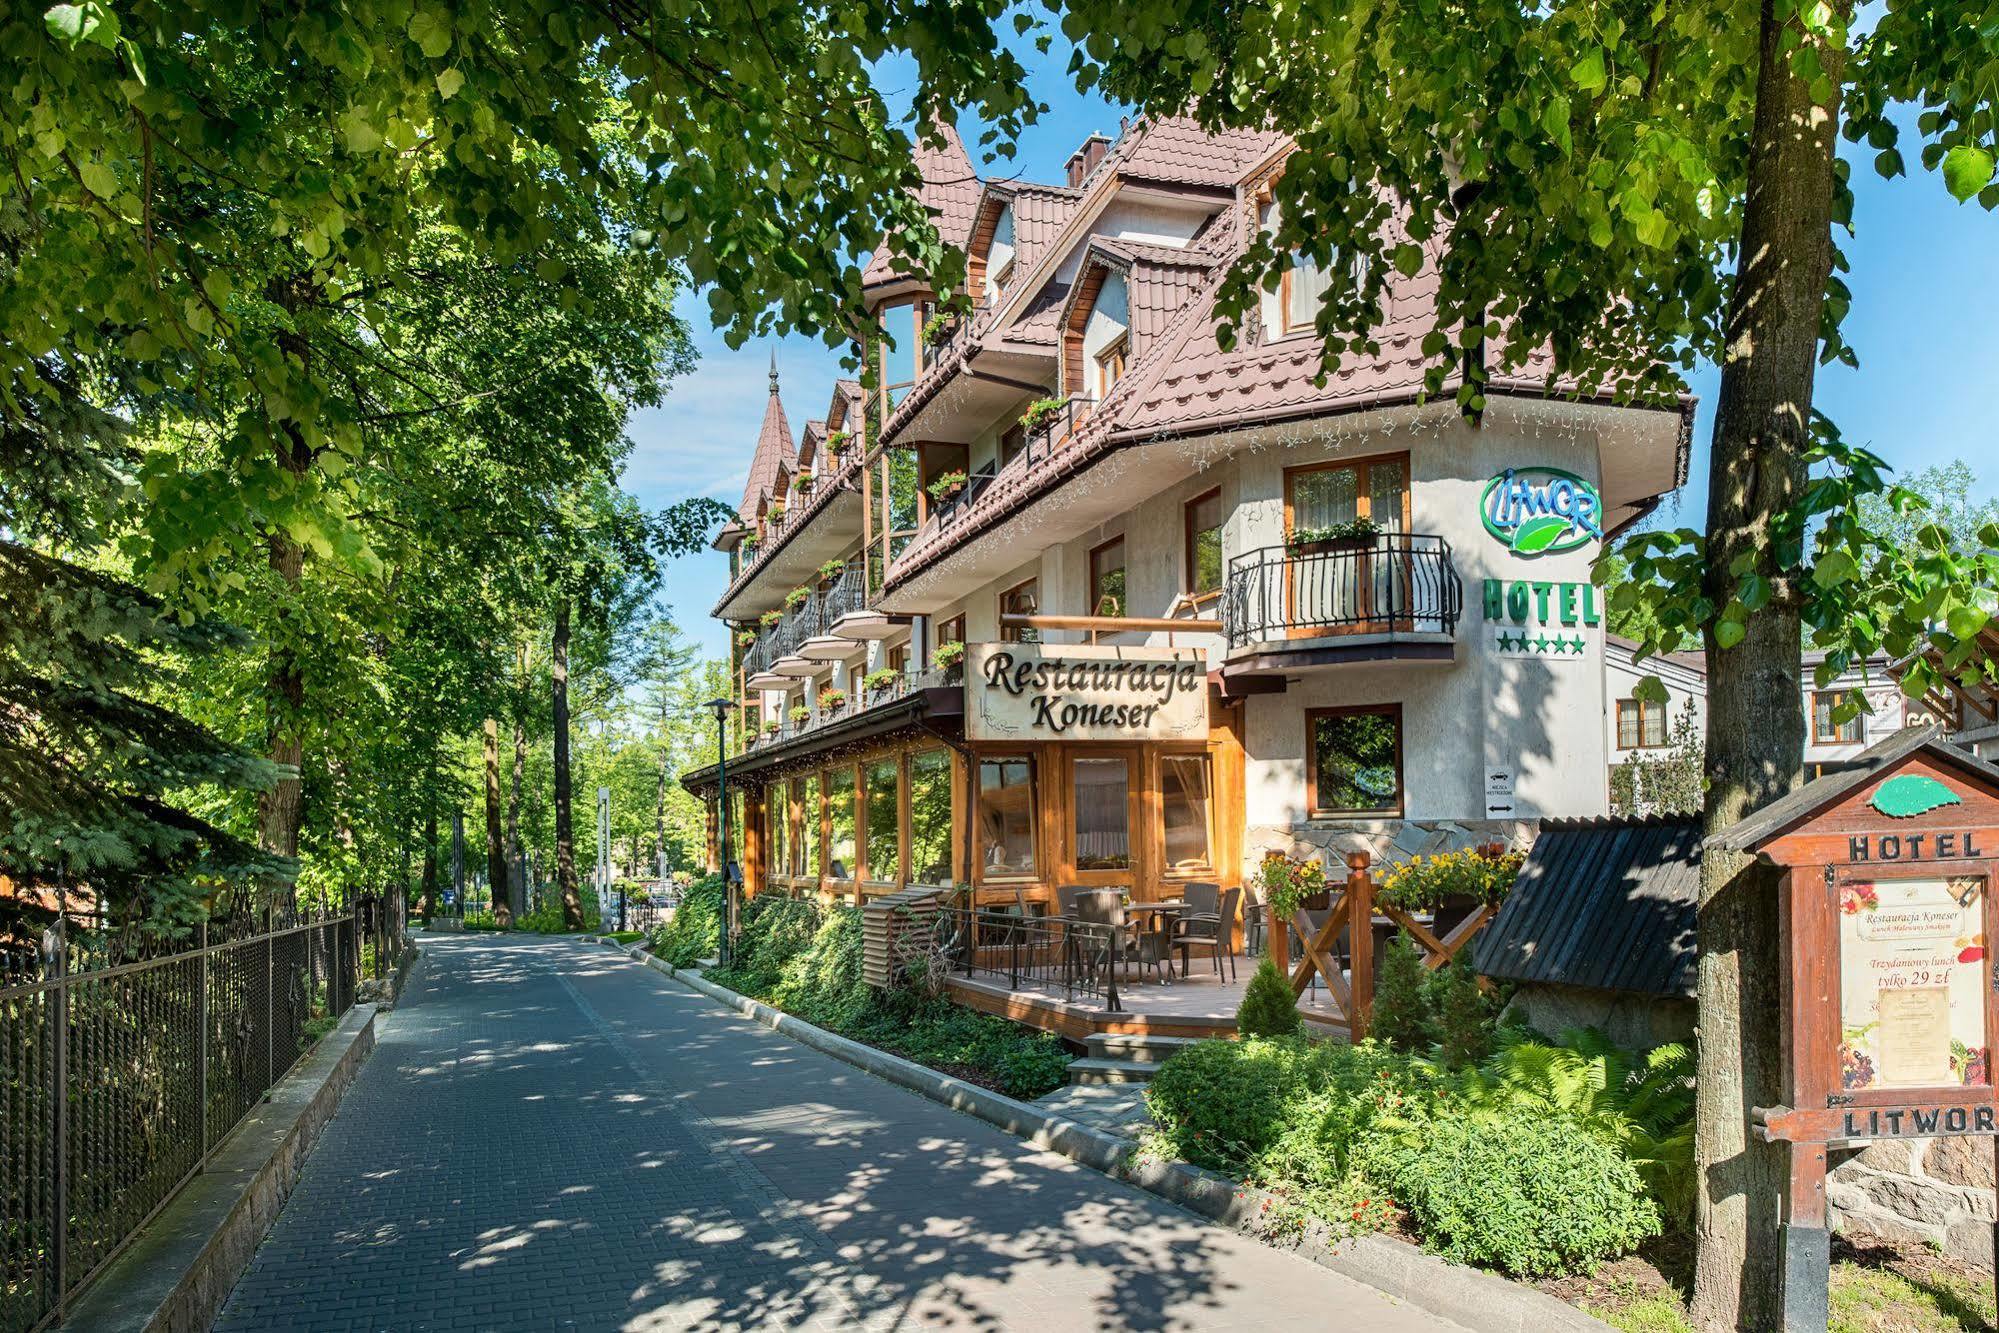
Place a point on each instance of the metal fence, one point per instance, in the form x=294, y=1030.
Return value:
x=1036, y=953
x=117, y=1083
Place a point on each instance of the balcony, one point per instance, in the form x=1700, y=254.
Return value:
x=1391, y=596
x=817, y=522
x=790, y=729
x=1048, y=435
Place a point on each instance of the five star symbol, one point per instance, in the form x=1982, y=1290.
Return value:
x=1541, y=644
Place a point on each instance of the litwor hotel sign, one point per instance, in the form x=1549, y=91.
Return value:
x=1049, y=692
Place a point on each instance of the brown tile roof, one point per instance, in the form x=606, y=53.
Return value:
x=774, y=454
x=1175, y=149
x=950, y=190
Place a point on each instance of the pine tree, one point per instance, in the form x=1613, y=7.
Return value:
x=99, y=776
x=1401, y=996
x=1269, y=1009
x=1464, y=1015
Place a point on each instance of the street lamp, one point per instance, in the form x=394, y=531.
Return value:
x=720, y=708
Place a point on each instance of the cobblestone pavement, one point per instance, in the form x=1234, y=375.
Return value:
x=551, y=1136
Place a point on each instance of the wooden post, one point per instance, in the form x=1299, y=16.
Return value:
x=1807, y=1243
x=1360, y=924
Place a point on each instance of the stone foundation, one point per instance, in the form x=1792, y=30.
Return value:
x=1634, y=1021
x=1386, y=841
x=1928, y=1191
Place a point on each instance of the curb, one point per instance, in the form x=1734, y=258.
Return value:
x=182, y=1266
x=1478, y=1301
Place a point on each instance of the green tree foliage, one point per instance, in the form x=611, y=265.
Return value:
x=1268, y=1008
x=1666, y=784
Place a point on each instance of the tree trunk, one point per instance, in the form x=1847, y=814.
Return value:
x=659, y=811
x=281, y=810
x=496, y=851
x=1755, y=722
x=565, y=840
x=428, y=905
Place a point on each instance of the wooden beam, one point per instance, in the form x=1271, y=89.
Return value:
x=1111, y=624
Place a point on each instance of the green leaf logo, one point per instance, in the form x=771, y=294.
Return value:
x=1537, y=535
x=1912, y=794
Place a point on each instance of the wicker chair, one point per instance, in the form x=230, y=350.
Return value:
x=1208, y=923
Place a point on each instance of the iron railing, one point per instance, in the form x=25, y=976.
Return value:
x=1048, y=435
x=1393, y=583
x=117, y=1083
x=1021, y=951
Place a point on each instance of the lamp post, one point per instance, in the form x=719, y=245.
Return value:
x=720, y=708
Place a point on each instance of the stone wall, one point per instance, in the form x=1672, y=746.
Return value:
x=1930, y=1191
x=1387, y=841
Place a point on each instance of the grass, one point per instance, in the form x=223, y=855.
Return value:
x=626, y=936
x=1875, y=1288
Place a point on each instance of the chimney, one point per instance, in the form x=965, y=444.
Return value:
x=1084, y=160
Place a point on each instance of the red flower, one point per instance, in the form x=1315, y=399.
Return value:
x=1971, y=954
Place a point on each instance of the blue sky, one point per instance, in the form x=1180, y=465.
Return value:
x=1924, y=272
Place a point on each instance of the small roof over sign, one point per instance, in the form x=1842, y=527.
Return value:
x=1788, y=811
x=1606, y=904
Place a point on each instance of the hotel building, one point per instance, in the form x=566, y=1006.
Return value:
x=1077, y=597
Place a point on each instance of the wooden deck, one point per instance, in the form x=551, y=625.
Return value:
x=1197, y=1006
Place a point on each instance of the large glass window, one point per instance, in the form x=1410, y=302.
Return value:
x=1204, y=544
x=884, y=821
x=1103, y=814
x=930, y=817
x=1107, y=579
x=1183, y=804
x=777, y=819
x=1006, y=817
x=900, y=329
x=1355, y=759
x=840, y=815
x=814, y=831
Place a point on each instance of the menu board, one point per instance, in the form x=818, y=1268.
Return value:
x=1912, y=983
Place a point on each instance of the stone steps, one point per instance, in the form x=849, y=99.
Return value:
x=1118, y=1057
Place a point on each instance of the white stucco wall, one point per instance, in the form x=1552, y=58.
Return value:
x=1621, y=678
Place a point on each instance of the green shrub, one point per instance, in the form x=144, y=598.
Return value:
x=1219, y=1104
x=1402, y=1012
x=774, y=931
x=547, y=918
x=1464, y=1015
x=1522, y=1190
x=1268, y=1008
x=823, y=984
x=1642, y=1102
x=695, y=931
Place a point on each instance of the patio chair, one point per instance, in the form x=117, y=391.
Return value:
x=1106, y=936
x=1255, y=923
x=1208, y=923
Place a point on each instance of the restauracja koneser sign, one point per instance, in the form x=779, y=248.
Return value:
x=1031, y=691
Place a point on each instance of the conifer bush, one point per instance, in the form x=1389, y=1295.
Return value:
x=1268, y=1009
x=1402, y=1011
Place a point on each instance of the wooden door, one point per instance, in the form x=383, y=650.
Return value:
x=1364, y=589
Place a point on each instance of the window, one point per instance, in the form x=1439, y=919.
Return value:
x=815, y=830
x=1183, y=805
x=1103, y=814
x=1020, y=600
x=1304, y=288
x=1204, y=544
x=999, y=256
x=1110, y=366
x=1373, y=488
x=777, y=818
x=1641, y=724
x=902, y=330
x=930, y=817
x=952, y=630
x=1342, y=590
x=800, y=825
x=1006, y=817
x=1354, y=760
x=1010, y=442
x=897, y=659
x=840, y=818
x=885, y=821
x=1825, y=731
x=1107, y=579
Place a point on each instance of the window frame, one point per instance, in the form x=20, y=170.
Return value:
x=1363, y=486
x=1312, y=718
x=950, y=631
x=1642, y=743
x=1188, y=532
x=1097, y=577
x=1858, y=723
x=864, y=820
x=1107, y=367
x=1204, y=757
x=1037, y=868
x=1014, y=634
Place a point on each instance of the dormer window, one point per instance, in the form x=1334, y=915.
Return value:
x=999, y=256
x=1110, y=365
x=1301, y=289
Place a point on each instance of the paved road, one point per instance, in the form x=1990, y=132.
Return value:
x=551, y=1136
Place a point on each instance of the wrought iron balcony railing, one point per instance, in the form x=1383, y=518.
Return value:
x=1048, y=435
x=1393, y=583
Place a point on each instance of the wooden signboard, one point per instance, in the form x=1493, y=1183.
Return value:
x=1891, y=996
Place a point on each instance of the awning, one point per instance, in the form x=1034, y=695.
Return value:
x=946, y=702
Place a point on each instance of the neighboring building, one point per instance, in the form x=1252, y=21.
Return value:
x=1644, y=726
x=1208, y=607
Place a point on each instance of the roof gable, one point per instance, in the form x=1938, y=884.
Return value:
x=774, y=458
x=950, y=190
